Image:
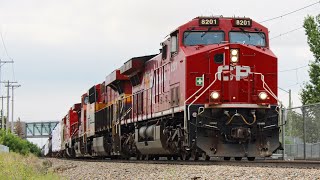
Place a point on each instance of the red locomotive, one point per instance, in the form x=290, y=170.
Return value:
x=211, y=91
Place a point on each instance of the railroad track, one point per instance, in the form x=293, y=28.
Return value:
x=303, y=164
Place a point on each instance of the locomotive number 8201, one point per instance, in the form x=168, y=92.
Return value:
x=242, y=22
x=208, y=22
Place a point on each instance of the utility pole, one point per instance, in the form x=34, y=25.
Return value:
x=13, y=86
x=9, y=84
x=283, y=126
x=289, y=113
x=290, y=103
x=2, y=116
x=1, y=64
x=289, y=92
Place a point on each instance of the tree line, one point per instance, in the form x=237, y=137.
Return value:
x=310, y=93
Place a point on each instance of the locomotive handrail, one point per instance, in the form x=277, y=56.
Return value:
x=74, y=132
x=185, y=102
x=188, y=109
x=267, y=88
x=284, y=118
x=186, y=113
x=215, y=79
x=280, y=105
x=75, y=129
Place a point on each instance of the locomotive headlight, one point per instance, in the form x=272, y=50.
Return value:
x=234, y=52
x=215, y=95
x=234, y=59
x=234, y=55
x=263, y=96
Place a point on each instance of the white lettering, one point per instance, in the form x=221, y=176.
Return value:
x=241, y=72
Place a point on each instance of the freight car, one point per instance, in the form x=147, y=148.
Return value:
x=210, y=92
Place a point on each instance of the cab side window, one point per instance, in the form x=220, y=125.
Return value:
x=174, y=43
x=164, y=51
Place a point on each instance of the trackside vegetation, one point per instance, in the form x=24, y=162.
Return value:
x=311, y=91
x=22, y=161
x=18, y=145
x=17, y=166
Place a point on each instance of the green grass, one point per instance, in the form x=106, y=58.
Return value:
x=16, y=166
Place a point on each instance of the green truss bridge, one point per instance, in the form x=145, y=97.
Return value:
x=39, y=129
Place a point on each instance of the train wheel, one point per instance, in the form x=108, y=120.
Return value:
x=143, y=157
x=138, y=156
x=124, y=157
x=149, y=157
x=195, y=156
x=184, y=156
x=175, y=158
x=156, y=158
x=227, y=158
x=238, y=158
x=205, y=156
x=169, y=158
x=251, y=158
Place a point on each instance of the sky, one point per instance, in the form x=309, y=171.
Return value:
x=61, y=48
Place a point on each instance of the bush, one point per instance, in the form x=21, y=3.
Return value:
x=18, y=145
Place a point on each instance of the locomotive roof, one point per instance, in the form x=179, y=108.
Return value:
x=144, y=58
x=215, y=16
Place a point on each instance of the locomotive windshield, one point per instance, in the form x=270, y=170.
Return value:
x=252, y=38
x=192, y=38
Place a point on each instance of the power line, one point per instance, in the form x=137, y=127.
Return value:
x=290, y=12
x=294, y=69
x=7, y=54
x=292, y=85
x=296, y=72
x=4, y=46
x=286, y=33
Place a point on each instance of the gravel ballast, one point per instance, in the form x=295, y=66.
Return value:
x=75, y=169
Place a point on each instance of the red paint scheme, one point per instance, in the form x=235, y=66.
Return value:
x=116, y=80
x=159, y=86
x=99, y=93
x=198, y=62
x=72, y=121
x=181, y=69
x=162, y=78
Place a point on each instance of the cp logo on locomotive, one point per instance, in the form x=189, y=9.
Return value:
x=239, y=72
